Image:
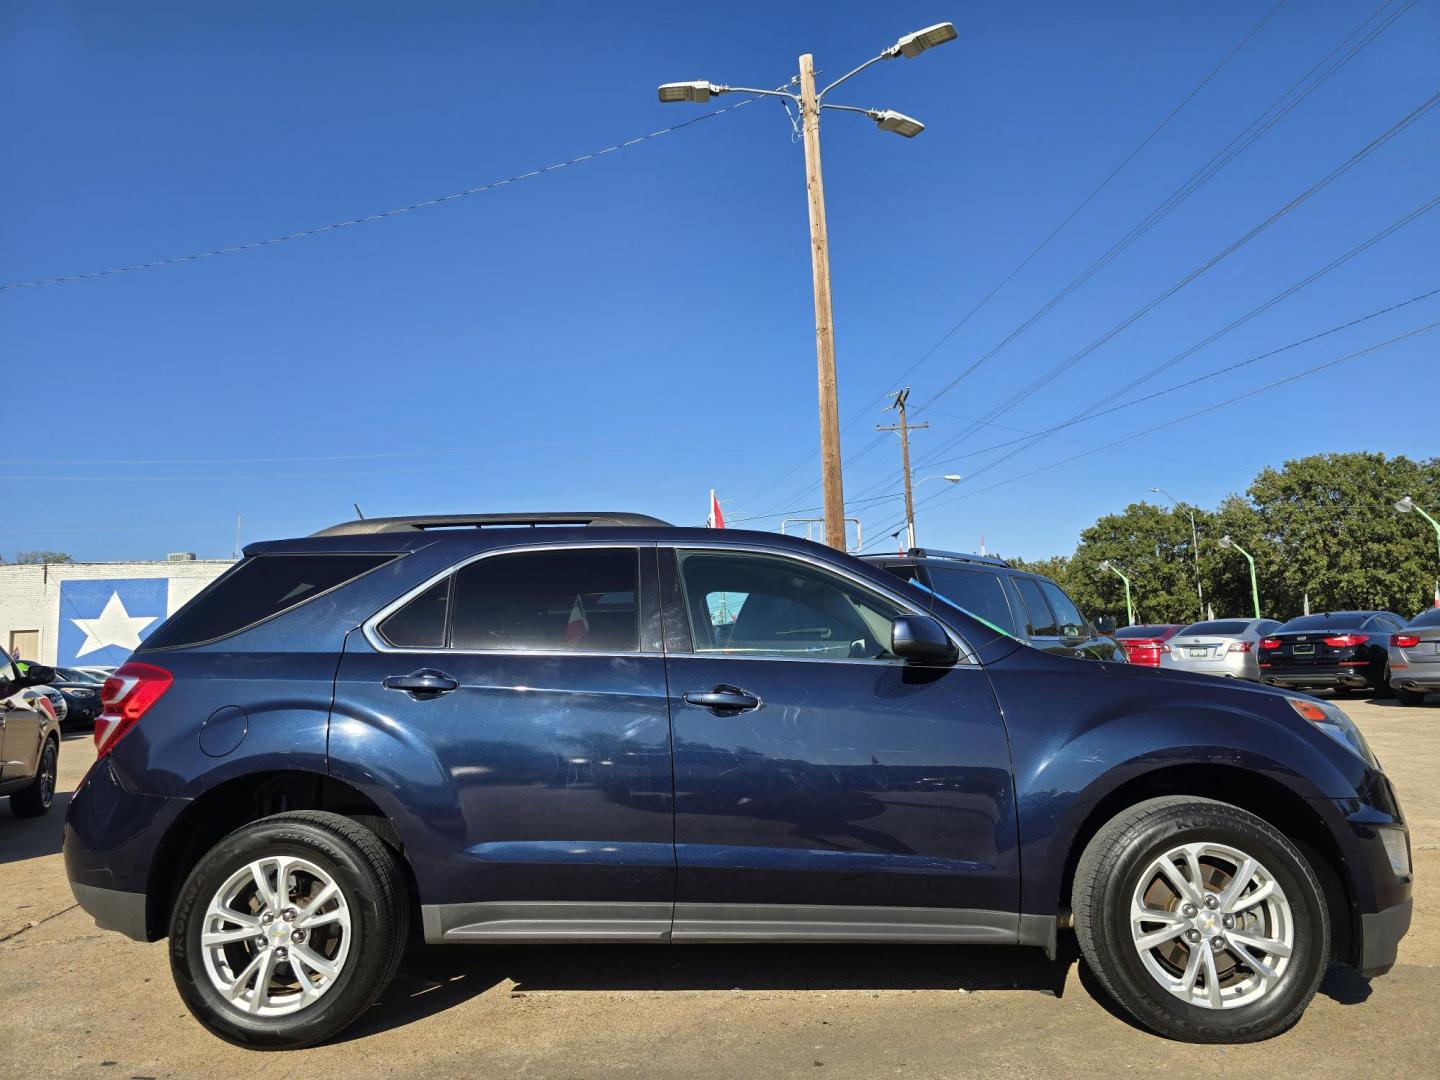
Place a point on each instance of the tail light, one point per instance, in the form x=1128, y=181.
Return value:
x=125, y=698
x=1269, y=643
x=1344, y=641
x=1405, y=641
x=1240, y=646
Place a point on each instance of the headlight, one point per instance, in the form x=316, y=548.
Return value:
x=1336, y=724
x=80, y=692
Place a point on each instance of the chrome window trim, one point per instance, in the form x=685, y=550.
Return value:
x=371, y=626
x=967, y=655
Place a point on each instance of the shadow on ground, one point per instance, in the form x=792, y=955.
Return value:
x=435, y=978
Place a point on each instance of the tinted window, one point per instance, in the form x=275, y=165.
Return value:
x=1072, y=623
x=1345, y=620
x=1427, y=618
x=1156, y=631
x=581, y=599
x=780, y=606
x=1042, y=622
x=1220, y=626
x=979, y=593
x=420, y=624
x=256, y=589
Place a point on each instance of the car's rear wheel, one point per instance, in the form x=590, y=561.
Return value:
x=288, y=929
x=35, y=800
x=1409, y=697
x=1201, y=920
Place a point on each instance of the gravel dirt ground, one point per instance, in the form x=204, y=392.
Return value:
x=76, y=1001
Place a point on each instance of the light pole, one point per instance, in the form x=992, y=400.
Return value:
x=1106, y=564
x=810, y=103
x=1194, y=544
x=1408, y=504
x=949, y=478
x=1226, y=542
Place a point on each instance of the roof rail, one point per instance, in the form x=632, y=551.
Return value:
x=480, y=521
x=959, y=556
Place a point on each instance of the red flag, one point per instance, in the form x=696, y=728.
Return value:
x=716, y=520
x=1437, y=594
x=578, y=626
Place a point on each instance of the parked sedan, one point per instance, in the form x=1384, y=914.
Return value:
x=1145, y=643
x=1225, y=647
x=81, y=691
x=1415, y=658
x=1337, y=650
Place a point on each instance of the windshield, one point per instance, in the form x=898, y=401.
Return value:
x=1429, y=617
x=1148, y=631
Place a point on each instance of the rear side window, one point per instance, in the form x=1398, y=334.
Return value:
x=1042, y=622
x=977, y=592
x=259, y=588
x=422, y=623
x=568, y=600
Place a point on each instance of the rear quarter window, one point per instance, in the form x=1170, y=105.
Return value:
x=257, y=589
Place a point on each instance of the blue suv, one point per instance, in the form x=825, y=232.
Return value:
x=611, y=729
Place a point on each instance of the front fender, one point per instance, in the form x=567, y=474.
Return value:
x=1091, y=732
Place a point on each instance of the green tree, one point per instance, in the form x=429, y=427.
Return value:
x=42, y=557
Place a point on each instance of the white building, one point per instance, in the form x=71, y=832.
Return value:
x=93, y=614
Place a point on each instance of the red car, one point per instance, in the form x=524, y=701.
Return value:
x=1143, y=644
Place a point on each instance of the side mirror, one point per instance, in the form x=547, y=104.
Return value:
x=33, y=675
x=921, y=638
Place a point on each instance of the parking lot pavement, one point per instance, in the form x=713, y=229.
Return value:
x=81, y=1002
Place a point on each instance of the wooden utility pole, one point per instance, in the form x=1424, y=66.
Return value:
x=832, y=486
x=904, y=427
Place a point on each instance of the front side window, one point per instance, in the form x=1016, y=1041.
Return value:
x=976, y=591
x=564, y=600
x=1072, y=623
x=1042, y=622
x=742, y=604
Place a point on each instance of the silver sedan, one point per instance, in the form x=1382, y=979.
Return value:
x=1415, y=658
x=1226, y=647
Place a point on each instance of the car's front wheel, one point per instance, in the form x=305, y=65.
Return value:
x=288, y=929
x=1201, y=920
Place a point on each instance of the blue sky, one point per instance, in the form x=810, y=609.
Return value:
x=633, y=331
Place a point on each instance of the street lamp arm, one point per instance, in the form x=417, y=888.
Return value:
x=886, y=55
x=752, y=90
x=871, y=113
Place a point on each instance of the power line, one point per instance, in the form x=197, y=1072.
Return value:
x=1028, y=436
x=1024, y=262
x=1065, y=365
x=367, y=219
x=1238, y=145
x=1251, y=314
x=1191, y=415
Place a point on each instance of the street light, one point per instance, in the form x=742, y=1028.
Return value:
x=1194, y=543
x=953, y=478
x=810, y=103
x=1226, y=542
x=1407, y=504
x=1106, y=564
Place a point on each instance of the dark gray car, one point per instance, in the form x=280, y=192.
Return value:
x=1024, y=605
x=1415, y=658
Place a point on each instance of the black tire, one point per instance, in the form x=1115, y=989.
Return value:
x=373, y=886
x=1110, y=871
x=35, y=800
x=1409, y=697
x=1385, y=690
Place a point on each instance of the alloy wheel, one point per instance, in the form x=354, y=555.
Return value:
x=1212, y=925
x=276, y=936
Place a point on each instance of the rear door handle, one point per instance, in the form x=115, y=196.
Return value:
x=723, y=700
x=422, y=685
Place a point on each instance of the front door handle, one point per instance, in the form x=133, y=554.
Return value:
x=422, y=685
x=723, y=700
